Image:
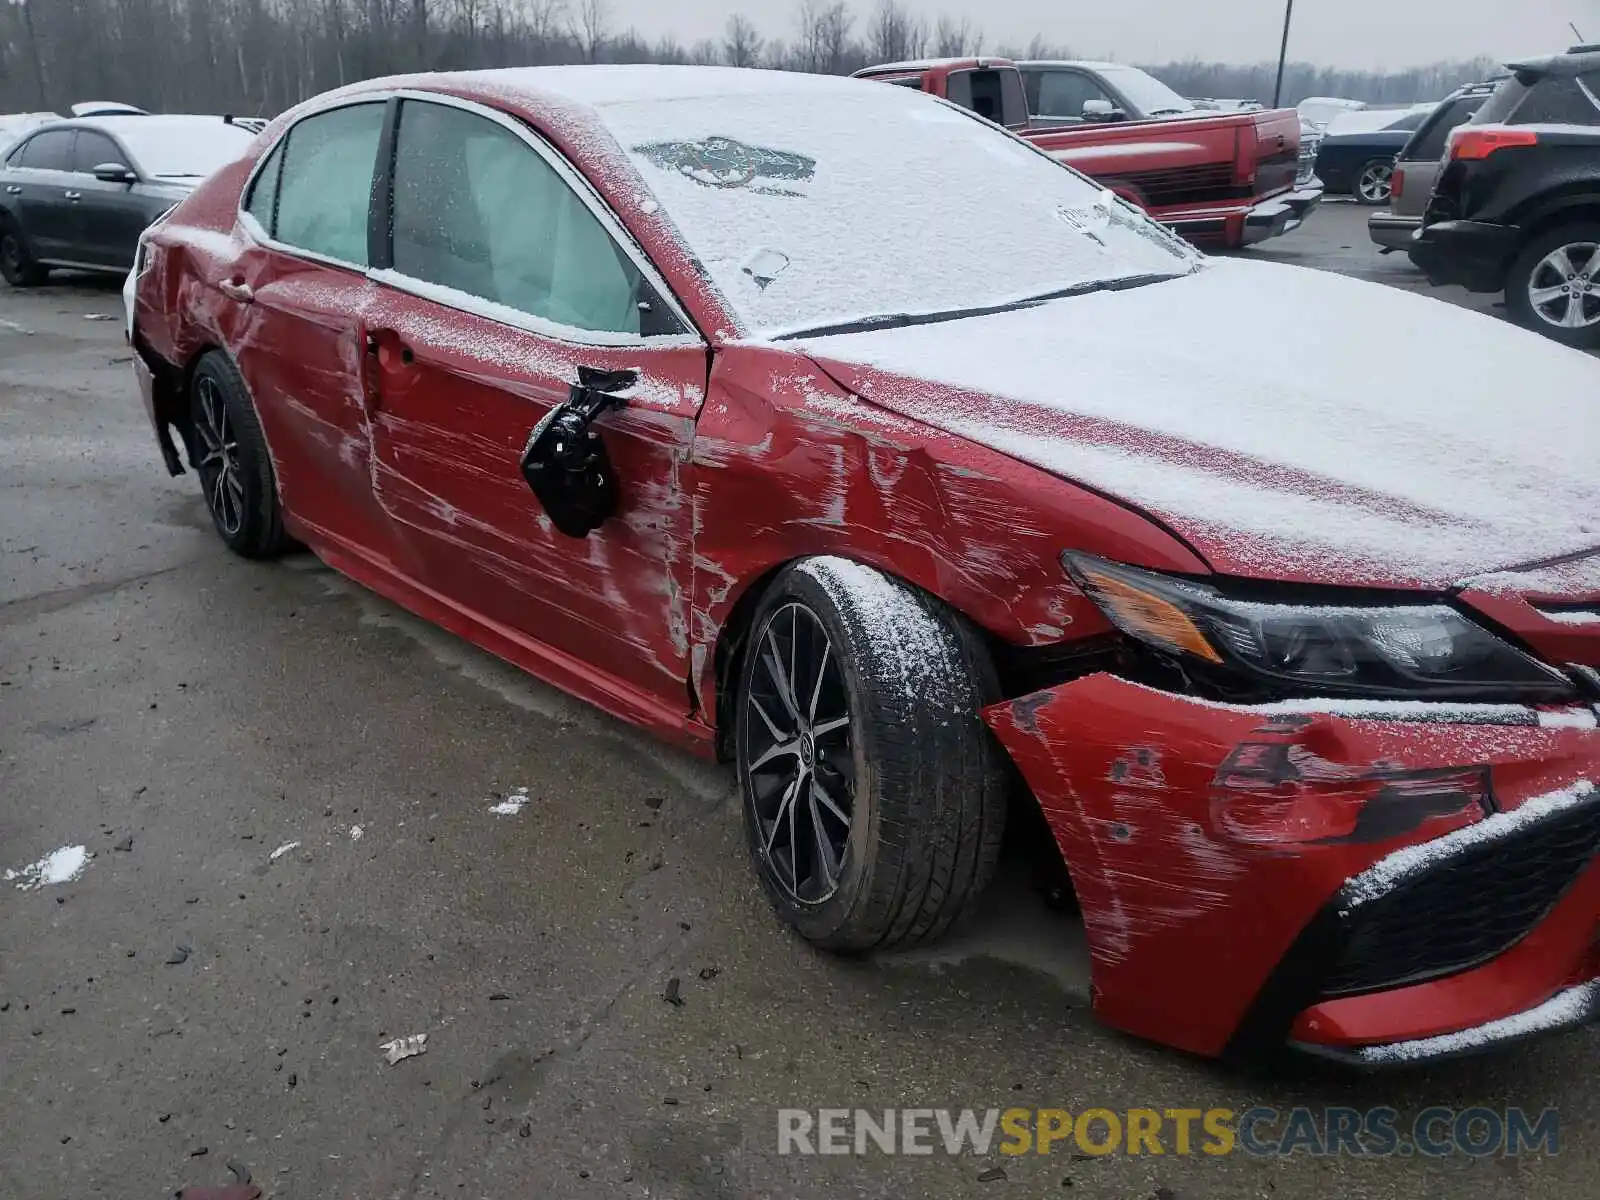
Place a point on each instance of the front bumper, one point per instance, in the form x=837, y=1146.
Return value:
x=1232, y=225
x=1474, y=254
x=1391, y=231
x=1193, y=835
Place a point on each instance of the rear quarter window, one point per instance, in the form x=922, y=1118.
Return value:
x=1428, y=144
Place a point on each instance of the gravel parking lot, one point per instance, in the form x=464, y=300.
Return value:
x=286, y=786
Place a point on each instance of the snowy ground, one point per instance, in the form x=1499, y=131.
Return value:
x=307, y=838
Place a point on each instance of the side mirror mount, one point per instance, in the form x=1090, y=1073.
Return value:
x=1102, y=110
x=113, y=172
x=565, y=461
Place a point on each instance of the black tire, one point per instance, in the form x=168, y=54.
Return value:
x=16, y=261
x=229, y=454
x=1532, y=270
x=1372, y=184
x=917, y=770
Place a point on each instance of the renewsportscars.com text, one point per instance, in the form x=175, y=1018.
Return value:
x=1437, y=1132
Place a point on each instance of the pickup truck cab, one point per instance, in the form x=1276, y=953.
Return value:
x=1221, y=179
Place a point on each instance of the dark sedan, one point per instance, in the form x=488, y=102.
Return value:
x=78, y=193
x=1360, y=162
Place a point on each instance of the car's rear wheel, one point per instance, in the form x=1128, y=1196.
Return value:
x=231, y=459
x=1374, y=182
x=873, y=792
x=17, y=266
x=1554, y=285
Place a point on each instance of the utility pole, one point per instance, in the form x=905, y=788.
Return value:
x=1283, y=53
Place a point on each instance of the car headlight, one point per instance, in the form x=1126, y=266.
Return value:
x=1411, y=651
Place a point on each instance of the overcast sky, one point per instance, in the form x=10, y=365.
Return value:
x=1353, y=33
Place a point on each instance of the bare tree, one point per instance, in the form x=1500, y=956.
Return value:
x=953, y=39
x=591, y=27
x=260, y=56
x=741, y=44
x=895, y=35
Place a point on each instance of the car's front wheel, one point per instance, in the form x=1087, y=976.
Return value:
x=1374, y=182
x=874, y=798
x=16, y=260
x=229, y=453
x=1554, y=285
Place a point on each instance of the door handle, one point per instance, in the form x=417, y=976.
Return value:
x=13, y=190
x=74, y=196
x=237, y=289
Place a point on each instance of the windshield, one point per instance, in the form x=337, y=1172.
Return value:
x=816, y=206
x=180, y=147
x=1145, y=92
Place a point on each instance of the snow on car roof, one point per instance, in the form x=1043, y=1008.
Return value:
x=603, y=84
x=174, y=146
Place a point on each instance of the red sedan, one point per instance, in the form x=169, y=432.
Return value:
x=823, y=427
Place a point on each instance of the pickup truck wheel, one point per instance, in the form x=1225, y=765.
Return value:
x=1374, y=182
x=16, y=262
x=1554, y=285
x=232, y=462
x=874, y=798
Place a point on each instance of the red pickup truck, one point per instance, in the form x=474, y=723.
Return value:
x=1219, y=179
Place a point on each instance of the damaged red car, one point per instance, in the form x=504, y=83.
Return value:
x=823, y=427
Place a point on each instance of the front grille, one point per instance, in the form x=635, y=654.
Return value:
x=1474, y=905
x=1184, y=185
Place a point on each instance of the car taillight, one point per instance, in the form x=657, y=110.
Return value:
x=1397, y=184
x=1468, y=144
x=1244, y=162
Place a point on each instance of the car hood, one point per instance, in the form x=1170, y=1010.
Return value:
x=1288, y=423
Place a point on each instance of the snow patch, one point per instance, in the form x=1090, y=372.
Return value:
x=1398, y=868
x=281, y=851
x=59, y=866
x=1568, y=718
x=356, y=833
x=512, y=804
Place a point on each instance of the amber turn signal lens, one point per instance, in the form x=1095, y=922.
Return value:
x=1141, y=614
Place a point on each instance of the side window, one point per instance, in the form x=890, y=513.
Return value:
x=262, y=202
x=93, y=149
x=325, y=186
x=1557, y=100
x=479, y=211
x=1428, y=145
x=1062, y=94
x=48, y=151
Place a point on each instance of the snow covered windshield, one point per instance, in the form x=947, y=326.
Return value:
x=181, y=147
x=816, y=205
x=1146, y=93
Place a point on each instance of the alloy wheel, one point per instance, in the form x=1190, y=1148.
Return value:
x=1375, y=183
x=219, y=464
x=1564, y=288
x=797, y=754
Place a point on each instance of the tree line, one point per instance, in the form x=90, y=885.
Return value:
x=258, y=57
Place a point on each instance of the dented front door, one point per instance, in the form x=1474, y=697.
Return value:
x=453, y=398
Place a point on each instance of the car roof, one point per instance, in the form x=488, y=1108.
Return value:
x=1092, y=64
x=599, y=84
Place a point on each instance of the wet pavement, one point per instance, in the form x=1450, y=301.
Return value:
x=286, y=786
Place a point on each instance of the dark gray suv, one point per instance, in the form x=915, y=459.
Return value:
x=78, y=193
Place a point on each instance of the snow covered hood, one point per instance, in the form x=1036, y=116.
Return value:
x=1288, y=423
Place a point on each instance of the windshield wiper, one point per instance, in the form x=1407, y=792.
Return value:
x=901, y=320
